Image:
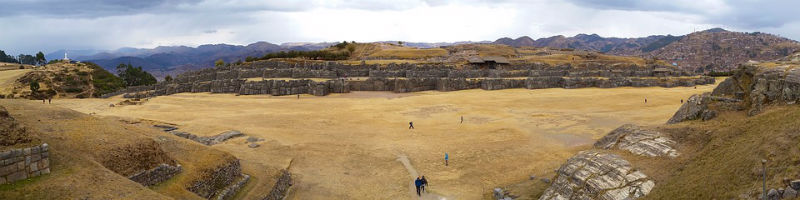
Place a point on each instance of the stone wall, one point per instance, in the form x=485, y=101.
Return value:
x=156, y=175
x=214, y=181
x=407, y=78
x=24, y=163
x=281, y=187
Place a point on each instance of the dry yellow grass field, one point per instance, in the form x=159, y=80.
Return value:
x=8, y=77
x=347, y=146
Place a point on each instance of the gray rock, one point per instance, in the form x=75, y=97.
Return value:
x=254, y=139
x=595, y=175
x=253, y=145
x=789, y=193
x=532, y=177
x=708, y=115
x=639, y=141
x=795, y=184
x=546, y=180
x=498, y=193
x=772, y=194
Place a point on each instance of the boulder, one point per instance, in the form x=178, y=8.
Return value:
x=708, y=115
x=596, y=175
x=772, y=194
x=692, y=109
x=639, y=141
x=253, y=145
x=795, y=184
x=789, y=193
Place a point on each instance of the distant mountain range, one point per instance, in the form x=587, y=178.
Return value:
x=714, y=49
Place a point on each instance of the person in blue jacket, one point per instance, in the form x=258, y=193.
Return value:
x=446, y=157
x=418, y=183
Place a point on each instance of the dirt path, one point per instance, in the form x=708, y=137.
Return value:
x=428, y=195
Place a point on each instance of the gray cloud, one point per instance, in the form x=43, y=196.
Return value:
x=49, y=25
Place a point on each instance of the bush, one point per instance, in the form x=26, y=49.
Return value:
x=82, y=73
x=21, y=67
x=34, y=86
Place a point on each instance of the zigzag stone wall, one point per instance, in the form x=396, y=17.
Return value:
x=407, y=78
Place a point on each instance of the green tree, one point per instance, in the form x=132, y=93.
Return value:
x=168, y=78
x=40, y=58
x=351, y=48
x=34, y=86
x=219, y=62
x=135, y=76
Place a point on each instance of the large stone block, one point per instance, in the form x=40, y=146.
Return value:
x=19, y=175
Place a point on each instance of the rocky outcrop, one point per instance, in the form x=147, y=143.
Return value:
x=752, y=87
x=281, y=187
x=595, y=175
x=639, y=141
x=692, y=109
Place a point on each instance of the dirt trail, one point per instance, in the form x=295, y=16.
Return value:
x=428, y=195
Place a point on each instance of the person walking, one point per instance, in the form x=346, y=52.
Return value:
x=418, y=183
x=462, y=119
x=645, y=100
x=410, y=125
x=424, y=183
x=50, y=100
x=446, y=157
x=681, y=101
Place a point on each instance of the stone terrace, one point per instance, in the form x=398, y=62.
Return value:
x=340, y=78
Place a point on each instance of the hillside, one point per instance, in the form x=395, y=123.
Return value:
x=591, y=42
x=93, y=158
x=720, y=50
x=59, y=80
x=710, y=50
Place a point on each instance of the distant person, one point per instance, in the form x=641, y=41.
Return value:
x=681, y=101
x=645, y=100
x=298, y=96
x=418, y=183
x=424, y=183
x=50, y=100
x=42, y=100
x=462, y=119
x=446, y=157
x=410, y=125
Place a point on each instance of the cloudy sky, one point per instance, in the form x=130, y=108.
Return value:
x=48, y=25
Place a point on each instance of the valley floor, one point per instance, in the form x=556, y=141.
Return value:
x=353, y=146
